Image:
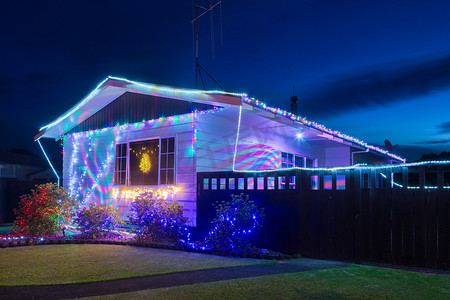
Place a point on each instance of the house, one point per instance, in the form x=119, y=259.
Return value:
x=128, y=137
x=19, y=173
x=24, y=167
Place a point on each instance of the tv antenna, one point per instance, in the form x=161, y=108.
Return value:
x=389, y=146
x=198, y=67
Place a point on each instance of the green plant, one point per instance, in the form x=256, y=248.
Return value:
x=96, y=221
x=234, y=223
x=156, y=220
x=44, y=211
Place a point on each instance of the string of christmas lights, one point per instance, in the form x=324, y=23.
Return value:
x=323, y=128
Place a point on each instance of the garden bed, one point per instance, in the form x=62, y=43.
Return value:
x=24, y=241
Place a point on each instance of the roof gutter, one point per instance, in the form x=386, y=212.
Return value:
x=367, y=150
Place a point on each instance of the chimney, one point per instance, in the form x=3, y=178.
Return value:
x=294, y=102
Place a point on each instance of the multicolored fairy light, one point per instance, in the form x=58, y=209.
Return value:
x=129, y=193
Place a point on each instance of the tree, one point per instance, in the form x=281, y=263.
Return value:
x=233, y=225
x=157, y=220
x=44, y=211
x=97, y=221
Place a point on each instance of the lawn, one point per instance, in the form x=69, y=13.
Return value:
x=353, y=282
x=60, y=264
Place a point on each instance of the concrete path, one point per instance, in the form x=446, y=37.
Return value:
x=100, y=288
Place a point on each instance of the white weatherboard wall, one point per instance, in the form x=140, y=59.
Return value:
x=261, y=141
x=337, y=156
x=89, y=161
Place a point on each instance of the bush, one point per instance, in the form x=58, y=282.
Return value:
x=96, y=221
x=44, y=212
x=158, y=221
x=233, y=225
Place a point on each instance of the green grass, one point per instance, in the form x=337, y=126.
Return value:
x=60, y=264
x=353, y=282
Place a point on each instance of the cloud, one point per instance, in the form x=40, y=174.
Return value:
x=434, y=142
x=444, y=127
x=380, y=85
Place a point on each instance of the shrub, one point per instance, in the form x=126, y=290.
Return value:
x=96, y=221
x=44, y=212
x=158, y=221
x=233, y=225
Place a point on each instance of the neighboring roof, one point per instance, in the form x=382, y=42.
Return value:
x=13, y=158
x=112, y=87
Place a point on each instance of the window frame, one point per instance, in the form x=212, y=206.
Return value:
x=159, y=138
x=126, y=165
x=289, y=159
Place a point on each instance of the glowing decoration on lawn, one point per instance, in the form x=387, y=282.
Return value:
x=145, y=164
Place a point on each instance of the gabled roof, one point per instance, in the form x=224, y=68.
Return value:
x=112, y=87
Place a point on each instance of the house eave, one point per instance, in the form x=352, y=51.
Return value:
x=112, y=87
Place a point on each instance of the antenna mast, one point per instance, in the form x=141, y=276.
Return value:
x=198, y=67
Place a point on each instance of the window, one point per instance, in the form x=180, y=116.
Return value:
x=287, y=160
x=292, y=182
x=447, y=179
x=149, y=162
x=250, y=183
x=240, y=183
x=121, y=164
x=310, y=162
x=413, y=180
x=380, y=181
x=397, y=181
x=214, y=183
x=300, y=161
x=431, y=179
x=340, y=182
x=270, y=183
x=281, y=182
x=260, y=183
x=327, y=182
x=167, y=169
x=206, y=183
x=315, y=182
x=144, y=162
x=365, y=181
x=223, y=183
x=231, y=183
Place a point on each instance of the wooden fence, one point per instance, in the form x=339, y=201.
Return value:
x=397, y=215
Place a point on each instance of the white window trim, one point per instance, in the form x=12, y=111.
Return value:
x=127, y=173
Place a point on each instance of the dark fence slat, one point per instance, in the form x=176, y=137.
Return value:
x=444, y=229
x=431, y=229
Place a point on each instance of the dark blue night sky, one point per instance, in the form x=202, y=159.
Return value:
x=371, y=69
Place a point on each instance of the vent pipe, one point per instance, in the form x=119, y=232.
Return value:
x=294, y=102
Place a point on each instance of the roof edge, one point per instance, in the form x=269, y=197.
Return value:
x=296, y=118
x=140, y=87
